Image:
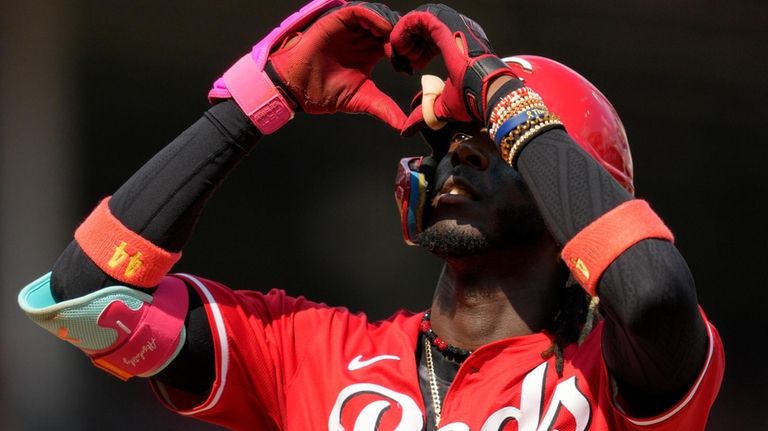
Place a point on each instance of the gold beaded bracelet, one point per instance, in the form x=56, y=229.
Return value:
x=506, y=143
x=514, y=145
x=522, y=100
x=512, y=110
x=511, y=105
x=510, y=99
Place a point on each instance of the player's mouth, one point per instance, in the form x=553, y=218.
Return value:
x=455, y=190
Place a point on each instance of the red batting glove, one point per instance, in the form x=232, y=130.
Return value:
x=327, y=67
x=471, y=63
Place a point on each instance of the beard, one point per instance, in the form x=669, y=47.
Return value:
x=450, y=239
x=517, y=226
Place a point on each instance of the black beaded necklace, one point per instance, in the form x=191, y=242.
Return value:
x=451, y=352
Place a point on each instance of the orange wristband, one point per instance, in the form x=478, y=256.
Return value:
x=120, y=252
x=590, y=252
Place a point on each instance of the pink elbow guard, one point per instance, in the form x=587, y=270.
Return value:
x=589, y=253
x=124, y=331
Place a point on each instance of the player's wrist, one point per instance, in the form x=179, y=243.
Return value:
x=517, y=114
x=248, y=82
x=258, y=97
x=494, y=85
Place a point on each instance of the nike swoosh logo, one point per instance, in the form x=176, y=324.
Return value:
x=357, y=363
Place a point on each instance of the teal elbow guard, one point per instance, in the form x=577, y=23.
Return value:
x=124, y=331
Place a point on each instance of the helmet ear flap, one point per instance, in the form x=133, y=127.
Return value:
x=411, y=190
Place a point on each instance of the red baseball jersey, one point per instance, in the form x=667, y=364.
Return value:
x=287, y=363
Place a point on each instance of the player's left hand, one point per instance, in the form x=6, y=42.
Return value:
x=328, y=67
x=433, y=29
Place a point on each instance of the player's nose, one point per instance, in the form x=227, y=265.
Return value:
x=471, y=153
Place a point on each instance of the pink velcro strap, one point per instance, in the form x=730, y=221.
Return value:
x=249, y=85
x=120, y=252
x=148, y=338
x=257, y=96
x=590, y=252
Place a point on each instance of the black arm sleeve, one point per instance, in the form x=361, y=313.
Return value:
x=654, y=340
x=162, y=202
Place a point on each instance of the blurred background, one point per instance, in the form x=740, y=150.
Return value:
x=91, y=89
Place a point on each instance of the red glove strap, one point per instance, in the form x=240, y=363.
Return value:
x=120, y=252
x=590, y=252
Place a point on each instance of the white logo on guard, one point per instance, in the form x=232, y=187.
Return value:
x=357, y=363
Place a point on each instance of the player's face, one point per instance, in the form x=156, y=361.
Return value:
x=477, y=200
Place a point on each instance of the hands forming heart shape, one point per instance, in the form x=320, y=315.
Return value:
x=327, y=67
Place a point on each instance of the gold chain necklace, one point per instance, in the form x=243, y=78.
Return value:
x=432, y=381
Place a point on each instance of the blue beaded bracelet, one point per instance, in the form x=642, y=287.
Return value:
x=516, y=121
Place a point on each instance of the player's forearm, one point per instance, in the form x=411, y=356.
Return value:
x=571, y=189
x=654, y=337
x=156, y=208
x=163, y=200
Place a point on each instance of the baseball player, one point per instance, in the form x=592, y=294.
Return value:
x=563, y=303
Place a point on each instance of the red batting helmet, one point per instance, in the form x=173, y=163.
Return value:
x=588, y=117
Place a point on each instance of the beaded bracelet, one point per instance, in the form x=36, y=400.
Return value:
x=516, y=119
x=510, y=106
x=512, y=136
x=523, y=104
x=512, y=144
x=507, y=101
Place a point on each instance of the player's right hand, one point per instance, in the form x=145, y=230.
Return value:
x=327, y=67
